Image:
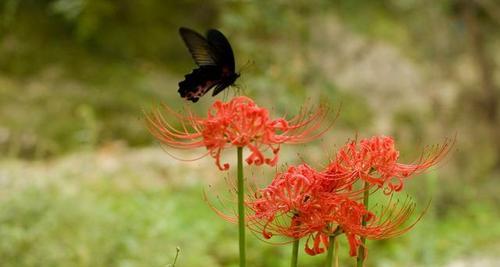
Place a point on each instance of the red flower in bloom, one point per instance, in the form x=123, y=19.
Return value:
x=305, y=203
x=375, y=160
x=241, y=123
x=298, y=210
x=278, y=208
x=296, y=205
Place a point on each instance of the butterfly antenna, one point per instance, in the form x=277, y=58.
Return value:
x=239, y=88
x=250, y=63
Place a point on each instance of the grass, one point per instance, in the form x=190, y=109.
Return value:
x=122, y=207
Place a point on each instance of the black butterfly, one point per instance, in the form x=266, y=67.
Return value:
x=215, y=59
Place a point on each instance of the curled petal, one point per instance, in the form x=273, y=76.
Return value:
x=320, y=243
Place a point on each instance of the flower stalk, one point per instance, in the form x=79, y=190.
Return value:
x=361, y=251
x=331, y=248
x=241, y=208
x=295, y=253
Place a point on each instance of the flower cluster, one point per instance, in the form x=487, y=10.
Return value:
x=304, y=203
x=239, y=123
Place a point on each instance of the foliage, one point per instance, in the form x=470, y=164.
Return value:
x=96, y=209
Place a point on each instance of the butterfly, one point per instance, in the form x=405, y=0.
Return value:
x=215, y=61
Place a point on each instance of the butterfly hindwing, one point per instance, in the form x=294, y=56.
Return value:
x=199, y=82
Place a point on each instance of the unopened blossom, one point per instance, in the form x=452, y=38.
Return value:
x=375, y=160
x=237, y=123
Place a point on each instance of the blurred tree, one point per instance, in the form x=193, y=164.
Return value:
x=476, y=14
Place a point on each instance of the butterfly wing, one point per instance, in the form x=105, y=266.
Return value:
x=199, y=82
x=201, y=50
x=224, y=56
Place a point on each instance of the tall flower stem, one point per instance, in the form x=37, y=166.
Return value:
x=241, y=208
x=331, y=247
x=295, y=253
x=361, y=251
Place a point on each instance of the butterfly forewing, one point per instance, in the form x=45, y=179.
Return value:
x=224, y=52
x=201, y=51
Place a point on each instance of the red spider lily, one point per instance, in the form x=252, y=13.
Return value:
x=240, y=123
x=303, y=202
x=331, y=214
x=374, y=160
x=284, y=200
x=297, y=204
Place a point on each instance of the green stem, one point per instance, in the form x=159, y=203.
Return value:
x=295, y=253
x=331, y=246
x=361, y=250
x=176, y=255
x=241, y=208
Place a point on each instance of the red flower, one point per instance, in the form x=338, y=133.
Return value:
x=305, y=203
x=279, y=207
x=316, y=217
x=241, y=123
x=297, y=204
x=375, y=160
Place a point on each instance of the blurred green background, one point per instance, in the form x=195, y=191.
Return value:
x=82, y=183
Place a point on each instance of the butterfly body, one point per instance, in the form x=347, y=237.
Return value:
x=215, y=59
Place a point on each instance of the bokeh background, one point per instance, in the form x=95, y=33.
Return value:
x=82, y=182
